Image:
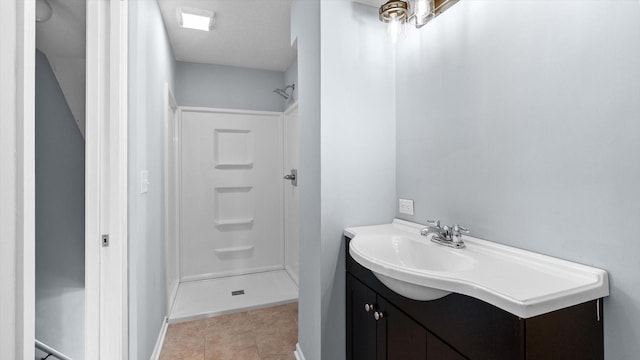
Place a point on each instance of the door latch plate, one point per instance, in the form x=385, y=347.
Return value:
x=105, y=240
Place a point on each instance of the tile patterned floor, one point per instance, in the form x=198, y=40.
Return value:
x=262, y=334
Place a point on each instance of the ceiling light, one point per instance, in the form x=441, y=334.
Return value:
x=196, y=19
x=43, y=10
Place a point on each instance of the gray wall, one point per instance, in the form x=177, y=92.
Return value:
x=521, y=121
x=358, y=142
x=219, y=86
x=59, y=218
x=347, y=154
x=151, y=65
x=305, y=27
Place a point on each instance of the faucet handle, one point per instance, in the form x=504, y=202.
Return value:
x=435, y=223
x=456, y=233
x=459, y=229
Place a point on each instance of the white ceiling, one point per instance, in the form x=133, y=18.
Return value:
x=64, y=33
x=62, y=39
x=375, y=3
x=247, y=33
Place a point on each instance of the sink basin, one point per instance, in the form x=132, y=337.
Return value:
x=410, y=253
x=524, y=283
x=417, y=253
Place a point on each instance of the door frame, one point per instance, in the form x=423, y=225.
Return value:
x=286, y=146
x=106, y=322
x=17, y=179
x=171, y=188
x=106, y=212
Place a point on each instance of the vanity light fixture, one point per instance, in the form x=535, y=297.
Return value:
x=423, y=12
x=196, y=19
x=397, y=13
x=394, y=13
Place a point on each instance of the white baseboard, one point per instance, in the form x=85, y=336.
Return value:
x=172, y=296
x=158, y=348
x=292, y=274
x=298, y=353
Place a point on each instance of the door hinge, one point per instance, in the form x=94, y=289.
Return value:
x=105, y=240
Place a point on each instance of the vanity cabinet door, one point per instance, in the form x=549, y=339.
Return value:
x=361, y=325
x=399, y=336
x=438, y=350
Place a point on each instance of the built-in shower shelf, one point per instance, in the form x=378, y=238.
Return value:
x=233, y=249
x=238, y=221
x=248, y=165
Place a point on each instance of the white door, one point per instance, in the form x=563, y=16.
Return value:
x=291, y=220
x=171, y=215
x=231, y=192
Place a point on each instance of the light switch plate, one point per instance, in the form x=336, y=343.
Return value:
x=405, y=206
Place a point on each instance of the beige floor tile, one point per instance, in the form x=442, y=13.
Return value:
x=275, y=344
x=234, y=323
x=187, y=355
x=229, y=354
x=282, y=326
x=262, y=334
x=184, y=341
x=192, y=353
x=279, y=357
x=292, y=307
x=230, y=340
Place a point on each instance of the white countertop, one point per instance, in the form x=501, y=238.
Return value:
x=521, y=282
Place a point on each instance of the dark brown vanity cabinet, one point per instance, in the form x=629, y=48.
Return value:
x=379, y=330
x=382, y=325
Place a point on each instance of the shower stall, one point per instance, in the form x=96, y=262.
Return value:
x=236, y=223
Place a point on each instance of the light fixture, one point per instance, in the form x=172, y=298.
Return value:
x=394, y=10
x=394, y=13
x=423, y=11
x=196, y=19
x=397, y=13
x=43, y=10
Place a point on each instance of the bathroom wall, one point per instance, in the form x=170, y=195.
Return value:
x=219, y=86
x=151, y=65
x=59, y=217
x=358, y=142
x=519, y=119
x=305, y=30
x=347, y=154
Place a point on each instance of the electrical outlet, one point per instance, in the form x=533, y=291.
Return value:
x=405, y=206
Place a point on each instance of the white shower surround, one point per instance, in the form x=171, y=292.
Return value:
x=280, y=256
x=231, y=192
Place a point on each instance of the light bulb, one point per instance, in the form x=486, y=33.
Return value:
x=423, y=11
x=393, y=28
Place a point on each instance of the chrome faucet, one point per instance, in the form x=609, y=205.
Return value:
x=445, y=235
x=433, y=227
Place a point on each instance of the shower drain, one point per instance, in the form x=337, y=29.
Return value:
x=237, y=292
